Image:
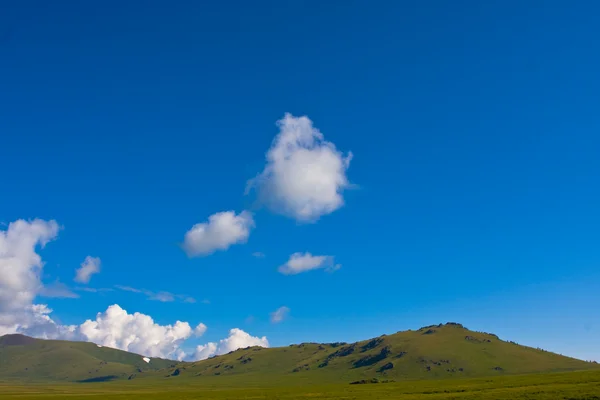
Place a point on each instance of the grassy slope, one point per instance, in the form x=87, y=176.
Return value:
x=446, y=351
x=35, y=359
x=581, y=385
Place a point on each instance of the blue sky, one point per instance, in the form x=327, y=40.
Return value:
x=471, y=196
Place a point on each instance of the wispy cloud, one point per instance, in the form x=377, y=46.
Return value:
x=129, y=289
x=258, y=254
x=57, y=290
x=161, y=296
x=280, y=314
x=93, y=290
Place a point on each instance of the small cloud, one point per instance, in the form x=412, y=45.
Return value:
x=221, y=231
x=57, y=290
x=303, y=262
x=89, y=266
x=161, y=296
x=279, y=315
x=205, y=301
x=200, y=330
x=305, y=176
x=258, y=254
x=249, y=319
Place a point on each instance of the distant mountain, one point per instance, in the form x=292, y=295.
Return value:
x=437, y=351
x=22, y=357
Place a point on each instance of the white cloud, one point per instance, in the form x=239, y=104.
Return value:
x=302, y=262
x=305, y=175
x=204, y=351
x=89, y=267
x=20, y=270
x=200, y=329
x=279, y=314
x=258, y=254
x=222, y=230
x=237, y=339
x=137, y=333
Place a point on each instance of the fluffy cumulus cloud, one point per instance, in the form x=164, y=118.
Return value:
x=279, y=314
x=222, y=230
x=200, y=329
x=237, y=339
x=303, y=262
x=137, y=333
x=89, y=267
x=305, y=175
x=20, y=270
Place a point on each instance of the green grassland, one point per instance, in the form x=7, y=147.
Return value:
x=584, y=385
x=433, y=352
x=435, y=362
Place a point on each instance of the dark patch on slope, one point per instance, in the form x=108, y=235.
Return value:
x=385, y=367
x=370, y=360
x=16, y=340
x=106, y=378
x=371, y=344
x=476, y=340
x=342, y=352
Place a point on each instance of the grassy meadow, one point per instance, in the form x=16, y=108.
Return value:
x=584, y=385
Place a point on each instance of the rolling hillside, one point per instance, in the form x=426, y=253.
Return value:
x=440, y=351
x=433, y=352
x=26, y=358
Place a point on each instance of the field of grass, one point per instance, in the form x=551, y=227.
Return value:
x=583, y=385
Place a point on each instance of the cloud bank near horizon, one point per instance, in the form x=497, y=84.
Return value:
x=20, y=283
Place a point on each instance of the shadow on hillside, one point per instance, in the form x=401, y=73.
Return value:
x=105, y=378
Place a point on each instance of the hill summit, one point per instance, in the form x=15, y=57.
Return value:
x=436, y=351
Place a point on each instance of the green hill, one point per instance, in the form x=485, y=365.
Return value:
x=433, y=352
x=440, y=351
x=22, y=357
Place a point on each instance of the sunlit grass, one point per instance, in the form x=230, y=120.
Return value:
x=572, y=386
